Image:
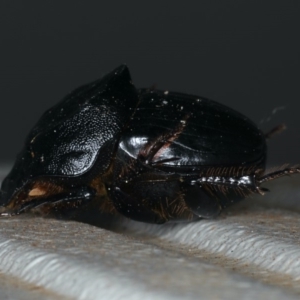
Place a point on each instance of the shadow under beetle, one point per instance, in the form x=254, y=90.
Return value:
x=151, y=155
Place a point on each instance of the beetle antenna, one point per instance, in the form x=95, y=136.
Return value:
x=279, y=173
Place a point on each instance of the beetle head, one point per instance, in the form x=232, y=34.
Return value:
x=72, y=140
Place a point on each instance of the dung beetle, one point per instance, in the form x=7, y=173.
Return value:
x=150, y=155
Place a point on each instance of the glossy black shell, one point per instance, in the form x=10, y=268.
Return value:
x=136, y=150
x=81, y=129
x=211, y=135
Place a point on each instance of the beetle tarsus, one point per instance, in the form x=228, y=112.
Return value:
x=278, y=174
x=274, y=131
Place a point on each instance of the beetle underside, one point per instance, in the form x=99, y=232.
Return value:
x=180, y=198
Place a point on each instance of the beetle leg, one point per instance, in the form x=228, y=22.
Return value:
x=156, y=197
x=278, y=174
x=157, y=203
x=62, y=202
x=135, y=208
x=207, y=196
x=201, y=200
x=167, y=198
x=274, y=131
x=153, y=149
x=141, y=193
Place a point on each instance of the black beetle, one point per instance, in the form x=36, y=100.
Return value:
x=151, y=155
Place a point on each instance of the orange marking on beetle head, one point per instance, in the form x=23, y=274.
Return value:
x=37, y=191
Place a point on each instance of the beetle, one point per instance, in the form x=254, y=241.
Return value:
x=153, y=156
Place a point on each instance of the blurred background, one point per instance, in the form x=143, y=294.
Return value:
x=244, y=54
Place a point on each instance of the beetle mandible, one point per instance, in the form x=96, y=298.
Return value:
x=150, y=155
